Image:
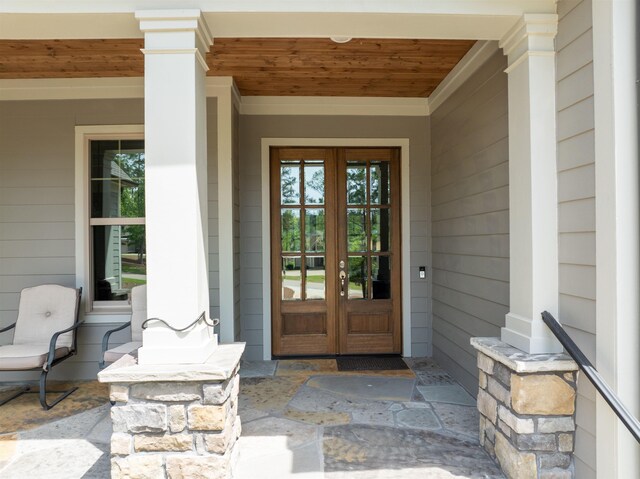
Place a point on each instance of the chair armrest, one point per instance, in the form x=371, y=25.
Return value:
x=8, y=328
x=107, y=335
x=52, y=344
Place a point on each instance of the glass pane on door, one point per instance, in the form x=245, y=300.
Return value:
x=303, y=229
x=356, y=183
x=314, y=183
x=356, y=230
x=381, y=277
x=380, y=229
x=290, y=226
x=368, y=228
x=290, y=184
x=314, y=236
x=315, y=277
x=380, y=183
x=291, y=279
x=358, y=277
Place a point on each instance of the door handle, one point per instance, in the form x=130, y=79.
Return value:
x=342, y=276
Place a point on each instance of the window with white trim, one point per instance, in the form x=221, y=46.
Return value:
x=117, y=224
x=109, y=217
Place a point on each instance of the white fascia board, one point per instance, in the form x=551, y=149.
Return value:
x=434, y=19
x=23, y=26
x=104, y=88
x=45, y=26
x=468, y=65
x=305, y=105
x=449, y=7
x=360, y=25
x=71, y=88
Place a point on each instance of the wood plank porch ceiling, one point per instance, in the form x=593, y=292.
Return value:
x=260, y=66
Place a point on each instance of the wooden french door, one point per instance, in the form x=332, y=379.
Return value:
x=335, y=251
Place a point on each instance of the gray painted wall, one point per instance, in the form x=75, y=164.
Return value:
x=37, y=245
x=470, y=211
x=252, y=130
x=37, y=208
x=576, y=207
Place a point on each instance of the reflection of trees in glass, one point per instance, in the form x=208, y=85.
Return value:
x=358, y=273
x=356, y=230
x=290, y=184
x=357, y=185
x=314, y=185
x=290, y=229
x=380, y=183
x=314, y=226
x=132, y=200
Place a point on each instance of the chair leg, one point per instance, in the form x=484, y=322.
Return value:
x=23, y=390
x=43, y=392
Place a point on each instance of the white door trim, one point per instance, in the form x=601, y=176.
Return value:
x=403, y=144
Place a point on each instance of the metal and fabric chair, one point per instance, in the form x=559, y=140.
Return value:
x=138, y=316
x=44, y=335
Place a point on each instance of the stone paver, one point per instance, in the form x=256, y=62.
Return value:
x=418, y=419
x=255, y=369
x=449, y=393
x=295, y=433
x=372, y=388
x=74, y=447
x=300, y=420
x=408, y=453
x=458, y=419
x=366, y=426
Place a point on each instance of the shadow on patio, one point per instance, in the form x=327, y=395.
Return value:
x=304, y=419
x=301, y=419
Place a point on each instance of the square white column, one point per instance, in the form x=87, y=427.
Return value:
x=533, y=202
x=176, y=42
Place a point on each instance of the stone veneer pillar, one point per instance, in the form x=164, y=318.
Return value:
x=527, y=410
x=175, y=421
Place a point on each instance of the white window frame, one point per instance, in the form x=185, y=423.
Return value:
x=83, y=135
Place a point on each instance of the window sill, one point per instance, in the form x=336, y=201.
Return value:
x=105, y=316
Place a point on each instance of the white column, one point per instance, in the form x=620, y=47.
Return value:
x=224, y=93
x=615, y=63
x=533, y=203
x=176, y=42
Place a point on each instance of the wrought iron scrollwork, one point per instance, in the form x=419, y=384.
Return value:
x=202, y=317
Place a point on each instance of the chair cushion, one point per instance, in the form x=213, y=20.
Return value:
x=26, y=356
x=138, y=311
x=44, y=310
x=113, y=354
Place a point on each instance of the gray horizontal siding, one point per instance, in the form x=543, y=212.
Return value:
x=576, y=206
x=470, y=211
x=37, y=208
x=37, y=212
x=252, y=130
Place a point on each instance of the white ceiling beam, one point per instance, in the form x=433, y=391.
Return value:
x=421, y=19
x=473, y=7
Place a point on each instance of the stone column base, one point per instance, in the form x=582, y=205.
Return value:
x=527, y=410
x=175, y=421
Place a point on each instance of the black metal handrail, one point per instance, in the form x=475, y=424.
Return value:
x=609, y=395
x=202, y=317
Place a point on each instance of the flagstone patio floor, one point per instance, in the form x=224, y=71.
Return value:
x=301, y=419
